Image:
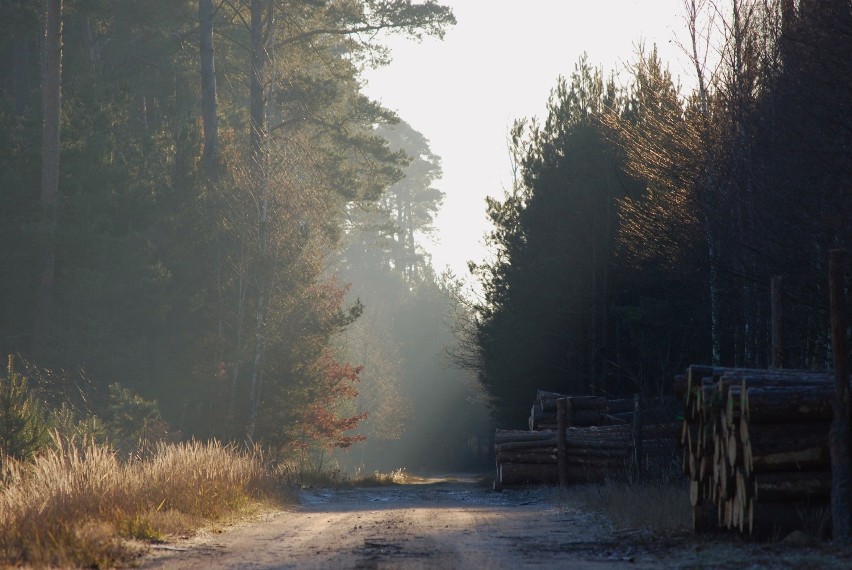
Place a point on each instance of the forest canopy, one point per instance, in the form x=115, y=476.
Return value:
x=646, y=224
x=208, y=230
x=180, y=180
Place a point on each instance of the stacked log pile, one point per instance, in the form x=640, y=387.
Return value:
x=593, y=453
x=595, y=411
x=755, y=448
x=585, y=411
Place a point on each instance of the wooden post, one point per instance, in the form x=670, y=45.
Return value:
x=561, y=426
x=636, y=458
x=777, y=316
x=841, y=470
x=569, y=412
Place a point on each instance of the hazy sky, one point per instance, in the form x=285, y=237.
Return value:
x=498, y=64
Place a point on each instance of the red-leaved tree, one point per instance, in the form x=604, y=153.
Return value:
x=326, y=422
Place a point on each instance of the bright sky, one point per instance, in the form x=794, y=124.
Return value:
x=498, y=64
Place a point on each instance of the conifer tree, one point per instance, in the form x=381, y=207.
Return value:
x=23, y=429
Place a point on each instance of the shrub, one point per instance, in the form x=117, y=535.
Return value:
x=132, y=421
x=23, y=430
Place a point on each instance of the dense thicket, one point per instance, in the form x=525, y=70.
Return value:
x=645, y=227
x=208, y=153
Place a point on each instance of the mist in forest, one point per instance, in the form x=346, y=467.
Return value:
x=424, y=413
x=209, y=230
x=190, y=214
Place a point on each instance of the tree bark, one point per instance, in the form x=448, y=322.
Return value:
x=507, y=435
x=785, y=447
x=579, y=418
x=773, y=404
x=545, y=455
x=548, y=400
x=792, y=485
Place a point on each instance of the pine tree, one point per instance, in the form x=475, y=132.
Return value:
x=23, y=429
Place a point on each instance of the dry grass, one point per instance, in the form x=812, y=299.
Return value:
x=73, y=505
x=292, y=476
x=396, y=477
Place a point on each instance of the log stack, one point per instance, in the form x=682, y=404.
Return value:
x=755, y=448
x=587, y=411
x=584, y=411
x=593, y=453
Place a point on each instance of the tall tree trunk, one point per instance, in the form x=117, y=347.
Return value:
x=51, y=103
x=740, y=88
x=261, y=29
x=238, y=348
x=209, y=112
x=691, y=9
x=257, y=368
x=210, y=167
x=257, y=103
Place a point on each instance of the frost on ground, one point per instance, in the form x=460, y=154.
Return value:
x=458, y=523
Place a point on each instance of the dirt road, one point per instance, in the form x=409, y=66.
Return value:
x=440, y=524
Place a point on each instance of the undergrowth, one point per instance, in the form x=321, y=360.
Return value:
x=396, y=477
x=293, y=475
x=75, y=505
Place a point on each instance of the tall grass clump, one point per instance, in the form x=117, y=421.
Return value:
x=205, y=479
x=75, y=504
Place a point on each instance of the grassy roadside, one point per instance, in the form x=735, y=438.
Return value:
x=78, y=505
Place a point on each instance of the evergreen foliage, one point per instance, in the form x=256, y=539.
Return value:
x=645, y=226
x=548, y=293
x=199, y=283
x=132, y=420
x=23, y=426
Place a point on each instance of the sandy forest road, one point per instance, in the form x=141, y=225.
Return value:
x=446, y=525
x=434, y=525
